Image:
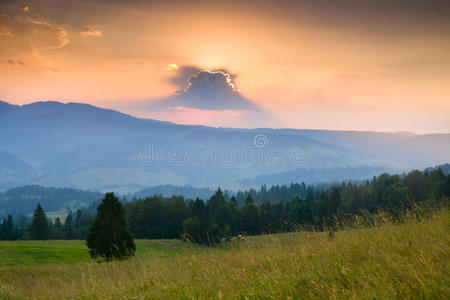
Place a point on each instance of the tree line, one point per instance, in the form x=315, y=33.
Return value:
x=277, y=209
x=24, y=199
x=40, y=227
x=281, y=208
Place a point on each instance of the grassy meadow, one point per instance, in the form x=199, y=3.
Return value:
x=405, y=261
x=19, y=253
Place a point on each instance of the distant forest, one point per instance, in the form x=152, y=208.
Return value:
x=23, y=200
x=267, y=210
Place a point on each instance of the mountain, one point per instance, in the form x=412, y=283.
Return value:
x=83, y=146
x=316, y=176
x=13, y=171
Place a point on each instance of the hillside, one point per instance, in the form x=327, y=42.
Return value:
x=314, y=176
x=83, y=146
x=407, y=261
x=24, y=199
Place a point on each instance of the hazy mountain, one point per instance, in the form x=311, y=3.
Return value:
x=82, y=146
x=315, y=176
x=13, y=171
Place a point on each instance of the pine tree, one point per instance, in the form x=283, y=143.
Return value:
x=249, y=217
x=3, y=230
x=68, y=229
x=39, y=228
x=248, y=200
x=77, y=218
x=10, y=233
x=57, y=229
x=216, y=200
x=335, y=201
x=109, y=236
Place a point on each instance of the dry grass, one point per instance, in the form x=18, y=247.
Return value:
x=407, y=261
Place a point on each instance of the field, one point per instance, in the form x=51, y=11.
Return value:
x=20, y=253
x=406, y=261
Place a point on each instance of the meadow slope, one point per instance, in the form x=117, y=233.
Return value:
x=407, y=261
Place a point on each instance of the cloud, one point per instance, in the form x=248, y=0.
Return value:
x=181, y=78
x=14, y=62
x=27, y=8
x=6, y=31
x=91, y=32
x=39, y=45
x=203, y=89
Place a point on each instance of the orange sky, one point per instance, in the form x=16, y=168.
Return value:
x=360, y=65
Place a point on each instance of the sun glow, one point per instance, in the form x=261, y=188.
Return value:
x=171, y=67
x=289, y=64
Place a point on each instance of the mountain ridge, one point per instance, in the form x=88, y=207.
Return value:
x=84, y=146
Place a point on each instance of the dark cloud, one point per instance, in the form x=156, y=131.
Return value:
x=202, y=89
x=184, y=73
x=13, y=62
x=181, y=78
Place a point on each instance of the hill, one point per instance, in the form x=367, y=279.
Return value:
x=83, y=146
x=315, y=176
x=13, y=171
x=24, y=199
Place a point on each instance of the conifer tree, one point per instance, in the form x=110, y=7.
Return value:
x=10, y=233
x=249, y=217
x=68, y=229
x=77, y=218
x=3, y=230
x=39, y=227
x=109, y=236
x=57, y=229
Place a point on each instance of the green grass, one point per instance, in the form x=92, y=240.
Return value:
x=389, y=261
x=20, y=253
x=42, y=252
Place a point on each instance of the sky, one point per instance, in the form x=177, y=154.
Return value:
x=323, y=64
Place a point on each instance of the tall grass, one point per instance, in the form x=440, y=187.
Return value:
x=407, y=261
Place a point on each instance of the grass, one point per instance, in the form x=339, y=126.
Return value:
x=42, y=252
x=404, y=261
x=21, y=253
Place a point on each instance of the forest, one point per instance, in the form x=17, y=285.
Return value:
x=24, y=199
x=267, y=210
